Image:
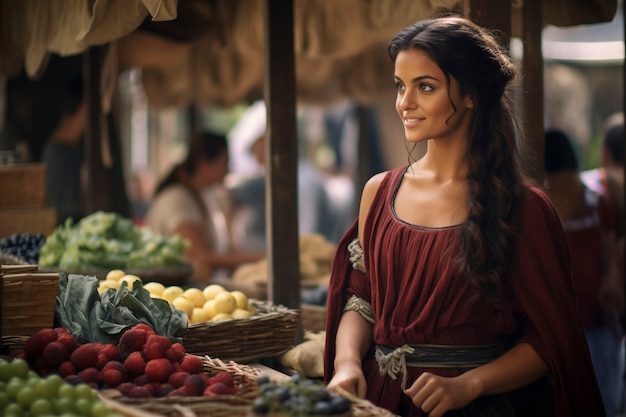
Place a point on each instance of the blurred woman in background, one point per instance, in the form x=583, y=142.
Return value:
x=191, y=202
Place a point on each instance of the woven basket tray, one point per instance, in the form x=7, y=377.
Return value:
x=239, y=405
x=269, y=334
x=245, y=379
x=28, y=299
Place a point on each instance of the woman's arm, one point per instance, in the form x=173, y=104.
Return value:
x=518, y=367
x=203, y=258
x=354, y=337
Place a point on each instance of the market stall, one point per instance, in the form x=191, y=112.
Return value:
x=261, y=64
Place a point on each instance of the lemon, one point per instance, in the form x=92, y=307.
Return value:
x=210, y=291
x=225, y=302
x=221, y=317
x=195, y=295
x=115, y=274
x=106, y=284
x=154, y=288
x=240, y=313
x=252, y=309
x=183, y=304
x=130, y=280
x=171, y=292
x=241, y=298
x=209, y=307
x=199, y=315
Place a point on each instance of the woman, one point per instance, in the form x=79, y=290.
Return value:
x=589, y=229
x=456, y=293
x=190, y=202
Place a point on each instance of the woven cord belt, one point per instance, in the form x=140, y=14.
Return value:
x=392, y=361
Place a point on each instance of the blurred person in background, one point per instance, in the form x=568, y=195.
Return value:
x=248, y=191
x=63, y=155
x=192, y=202
x=589, y=229
x=608, y=179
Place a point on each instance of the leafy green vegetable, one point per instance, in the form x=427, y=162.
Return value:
x=109, y=241
x=91, y=317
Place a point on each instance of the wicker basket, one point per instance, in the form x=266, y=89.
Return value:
x=313, y=317
x=268, y=334
x=239, y=405
x=245, y=379
x=28, y=299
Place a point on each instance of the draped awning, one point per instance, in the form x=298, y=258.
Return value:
x=212, y=51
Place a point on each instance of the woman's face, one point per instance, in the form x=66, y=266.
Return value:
x=423, y=99
x=213, y=172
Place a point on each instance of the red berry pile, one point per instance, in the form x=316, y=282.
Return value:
x=141, y=365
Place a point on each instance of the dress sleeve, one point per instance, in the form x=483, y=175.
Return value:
x=541, y=279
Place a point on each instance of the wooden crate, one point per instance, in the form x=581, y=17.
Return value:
x=22, y=185
x=28, y=299
x=32, y=220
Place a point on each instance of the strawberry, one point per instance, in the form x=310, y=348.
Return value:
x=224, y=377
x=132, y=340
x=112, y=377
x=36, y=343
x=68, y=341
x=192, y=364
x=176, y=352
x=140, y=392
x=90, y=375
x=67, y=368
x=125, y=388
x=135, y=364
x=115, y=365
x=111, y=351
x=178, y=392
x=163, y=389
x=156, y=346
x=85, y=356
x=216, y=389
x=159, y=370
x=143, y=326
x=54, y=354
x=194, y=385
x=177, y=379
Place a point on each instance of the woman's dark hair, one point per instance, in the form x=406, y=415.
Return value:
x=613, y=138
x=484, y=70
x=203, y=145
x=559, y=152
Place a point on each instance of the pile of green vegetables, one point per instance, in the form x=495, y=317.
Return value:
x=109, y=241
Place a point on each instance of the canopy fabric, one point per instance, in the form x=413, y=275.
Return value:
x=32, y=29
x=340, y=46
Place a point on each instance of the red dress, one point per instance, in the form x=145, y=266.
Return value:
x=418, y=299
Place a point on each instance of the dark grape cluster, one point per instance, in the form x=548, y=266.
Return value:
x=298, y=397
x=25, y=246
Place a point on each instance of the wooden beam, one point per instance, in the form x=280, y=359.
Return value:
x=491, y=14
x=533, y=89
x=97, y=193
x=281, y=152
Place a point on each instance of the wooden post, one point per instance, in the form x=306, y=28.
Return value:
x=533, y=89
x=97, y=193
x=491, y=14
x=281, y=150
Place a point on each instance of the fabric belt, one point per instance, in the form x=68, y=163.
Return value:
x=392, y=361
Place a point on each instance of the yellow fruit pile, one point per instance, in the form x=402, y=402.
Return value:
x=213, y=303
x=115, y=278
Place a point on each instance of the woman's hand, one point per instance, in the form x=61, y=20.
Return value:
x=349, y=376
x=437, y=395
